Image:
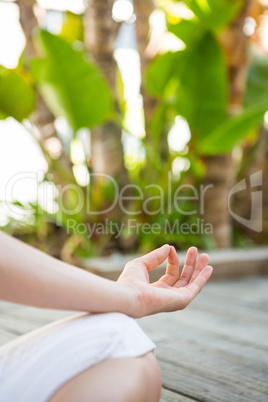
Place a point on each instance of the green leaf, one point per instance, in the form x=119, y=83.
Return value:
x=257, y=79
x=160, y=71
x=72, y=27
x=158, y=121
x=215, y=14
x=119, y=84
x=17, y=97
x=71, y=85
x=233, y=130
x=202, y=93
x=187, y=30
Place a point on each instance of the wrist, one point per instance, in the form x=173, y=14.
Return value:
x=126, y=299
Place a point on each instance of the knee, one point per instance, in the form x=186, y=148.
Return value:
x=146, y=380
x=153, y=375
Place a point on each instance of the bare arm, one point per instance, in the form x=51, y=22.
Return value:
x=28, y=276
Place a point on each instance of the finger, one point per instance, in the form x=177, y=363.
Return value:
x=188, y=268
x=154, y=258
x=197, y=285
x=172, y=271
x=201, y=263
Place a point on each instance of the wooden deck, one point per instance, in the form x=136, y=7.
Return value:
x=215, y=350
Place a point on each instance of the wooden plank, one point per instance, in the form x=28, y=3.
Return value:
x=218, y=367
x=6, y=337
x=18, y=320
x=23, y=319
x=206, y=389
x=255, y=313
x=37, y=316
x=227, y=350
x=170, y=396
x=171, y=324
x=16, y=326
x=176, y=334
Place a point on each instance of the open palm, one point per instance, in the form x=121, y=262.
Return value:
x=173, y=291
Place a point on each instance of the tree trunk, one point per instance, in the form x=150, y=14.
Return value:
x=264, y=234
x=43, y=119
x=143, y=10
x=255, y=157
x=262, y=21
x=100, y=35
x=42, y=116
x=220, y=170
x=219, y=178
x=28, y=22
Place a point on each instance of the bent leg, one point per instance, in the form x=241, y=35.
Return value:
x=48, y=358
x=136, y=379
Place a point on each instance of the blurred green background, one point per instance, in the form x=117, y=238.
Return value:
x=166, y=93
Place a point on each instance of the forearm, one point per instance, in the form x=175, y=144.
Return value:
x=30, y=277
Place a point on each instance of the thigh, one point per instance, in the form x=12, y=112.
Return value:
x=121, y=380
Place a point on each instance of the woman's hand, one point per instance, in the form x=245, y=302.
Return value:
x=172, y=291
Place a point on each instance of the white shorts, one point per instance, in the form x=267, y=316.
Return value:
x=35, y=365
